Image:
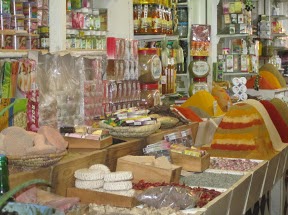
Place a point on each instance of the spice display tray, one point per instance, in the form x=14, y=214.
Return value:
x=240, y=195
x=148, y=172
x=220, y=204
x=102, y=198
x=190, y=163
x=271, y=174
x=81, y=143
x=257, y=181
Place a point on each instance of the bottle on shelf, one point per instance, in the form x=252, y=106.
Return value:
x=4, y=175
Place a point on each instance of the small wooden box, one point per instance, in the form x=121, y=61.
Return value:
x=81, y=143
x=149, y=173
x=191, y=163
x=102, y=198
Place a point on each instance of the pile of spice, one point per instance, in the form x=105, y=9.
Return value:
x=242, y=133
x=205, y=101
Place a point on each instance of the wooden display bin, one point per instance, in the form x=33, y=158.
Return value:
x=240, y=195
x=220, y=204
x=256, y=185
x=102, y=198
x=63, y=171
x=123, y=147
x=149, y=173
x=271, y=173
x=191, y=163
x=81, y=144
x=21, y=177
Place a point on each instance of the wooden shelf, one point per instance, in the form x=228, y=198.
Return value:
x=239, y=73
x=279, y=17
x=11, y=53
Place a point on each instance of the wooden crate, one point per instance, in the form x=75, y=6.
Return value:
x=63, y=172
x=102, y=198
x=80, y=144
x=148, y=172
x=190, y=163
x=159, y=135
x=125, y=147
x=21, y=177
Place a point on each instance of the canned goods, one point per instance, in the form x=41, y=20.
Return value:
x=31, y=25
x=20, y=41
x=16, y=7
x=30, y=9
x=17, y=22
x=32, y=41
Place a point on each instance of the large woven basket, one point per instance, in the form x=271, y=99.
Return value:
x=131, y=131
x=35, y=161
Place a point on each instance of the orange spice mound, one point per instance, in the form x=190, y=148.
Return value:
x=243, y=131
x=188, y=113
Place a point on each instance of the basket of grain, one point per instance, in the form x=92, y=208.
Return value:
x=131, y=131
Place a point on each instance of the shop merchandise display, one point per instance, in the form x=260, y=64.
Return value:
x=86, y=26
x=153, y=17
x=19, y=23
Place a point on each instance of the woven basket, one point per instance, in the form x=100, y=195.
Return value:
x=131, y=131
x=35, y=161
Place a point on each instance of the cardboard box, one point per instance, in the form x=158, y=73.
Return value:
x=81, y=143
x=148, y=172
x=191, y=163
x=102, y=198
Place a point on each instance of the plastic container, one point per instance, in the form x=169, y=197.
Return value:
x=16, y=7
x=149, y=66
x=150, y=95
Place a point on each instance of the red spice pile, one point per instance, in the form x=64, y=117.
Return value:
x=277, y=120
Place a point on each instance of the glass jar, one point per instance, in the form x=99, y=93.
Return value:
x=68, y=38
x=78, y=40
x=44, y=37
x=96, y=20
x=146, y=19
x=88, y=40
x=182, y=14
x=150, y=95
x=103, y=40
x=182, y=29
x=199, y=67
x=198, y=84
x=83, y=39
x=97, y=40
x=149, y=66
